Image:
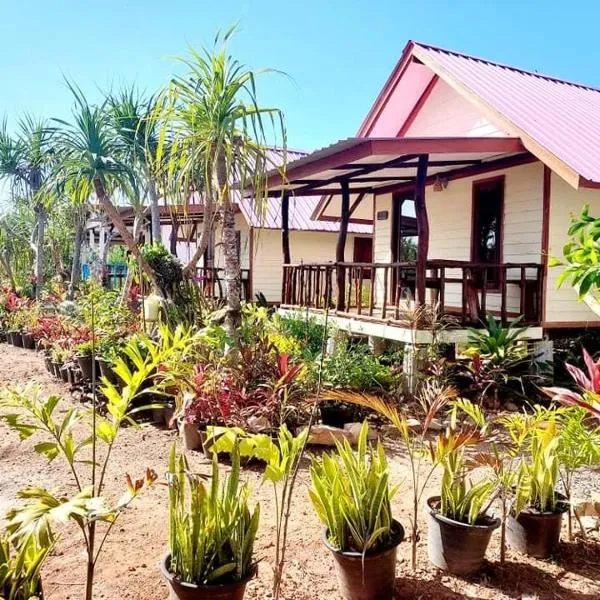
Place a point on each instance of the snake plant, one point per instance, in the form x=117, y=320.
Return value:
x=351, y=495
x=212, y=530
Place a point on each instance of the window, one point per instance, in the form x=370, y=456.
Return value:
x=486, y=235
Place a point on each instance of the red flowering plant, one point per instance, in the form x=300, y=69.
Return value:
x=588, y=384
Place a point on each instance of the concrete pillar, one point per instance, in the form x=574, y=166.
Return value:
x=413, y=360
x=543, y=354
x=336, y=338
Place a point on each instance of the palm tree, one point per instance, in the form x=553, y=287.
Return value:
x=134, y=122
x=219, y=145
x=91, y=154
x=25, y=160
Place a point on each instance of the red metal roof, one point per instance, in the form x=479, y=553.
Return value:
x=301, y=209
x=559, y=117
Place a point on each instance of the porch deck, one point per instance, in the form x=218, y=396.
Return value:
x=462, y=292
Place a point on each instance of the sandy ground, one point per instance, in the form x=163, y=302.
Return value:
x=129, y=565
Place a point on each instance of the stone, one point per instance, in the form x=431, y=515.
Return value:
x=258, y=424
x=325, y=435
x=354, y=429
x=511, y=406
x=436, y=425
x=588, y=508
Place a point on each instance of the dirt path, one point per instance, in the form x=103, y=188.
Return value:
x=128, y=568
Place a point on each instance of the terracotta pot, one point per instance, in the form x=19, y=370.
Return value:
x=187, y=591
x=371, y=577
x=28, y=341
x=190, y=436
x=536, y=534
x=456, y=547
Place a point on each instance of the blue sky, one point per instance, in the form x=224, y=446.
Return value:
x=337, y=53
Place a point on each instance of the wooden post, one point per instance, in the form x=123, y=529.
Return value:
x=285, y=229
x=341, y=244
x=422, y=227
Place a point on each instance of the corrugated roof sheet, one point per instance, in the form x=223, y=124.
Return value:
x=561, y=116
x=301, y=209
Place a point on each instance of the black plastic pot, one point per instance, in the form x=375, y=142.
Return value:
x=85, y=364
x=456, y=547
x=106, y=370
x=368, y=577
x=48, y=364
x=534, y=533
x=28, y=341
x=10, y=336
x=56, y=367
x=337, y=414
x=187, y=591
x=17, y=339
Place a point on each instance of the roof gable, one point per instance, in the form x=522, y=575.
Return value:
x=558, y=121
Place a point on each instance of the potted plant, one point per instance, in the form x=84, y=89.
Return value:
x=109, y=351
x=211, y=533
x=534, y=521
x=85, y=361
x=351, y=496
x=459, y=526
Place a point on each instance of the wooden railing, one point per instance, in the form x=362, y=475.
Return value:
x=385, y=291
x=212, y=282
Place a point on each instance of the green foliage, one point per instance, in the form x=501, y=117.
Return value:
x=354, y=367
x=581, y=254
x=308, y=332
x=351, y=495
x=211, y=529
x=20, y=566
x=461, y=499
x=167, y=268
x=497, y=343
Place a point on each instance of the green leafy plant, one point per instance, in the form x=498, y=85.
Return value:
x=461, y=499
x=580, y=255
x=211, y=528
x=538, y=472
x=282, y=459
x=433, y=398
x=495, y=342
x=21, y=561
x=351, y=495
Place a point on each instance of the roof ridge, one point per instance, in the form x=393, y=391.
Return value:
x=506, y=66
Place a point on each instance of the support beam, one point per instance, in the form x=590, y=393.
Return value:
x=285, y=229
x=422, y=227
x=341, y=244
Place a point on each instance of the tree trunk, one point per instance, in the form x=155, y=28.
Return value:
x=233, y=276
x=154, y=209
x=40, y=213
x=76, y=265
x=113, y=214
x=173, y=236
x=206, y=236
x=5, y=261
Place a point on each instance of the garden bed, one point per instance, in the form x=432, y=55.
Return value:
x=129, y=569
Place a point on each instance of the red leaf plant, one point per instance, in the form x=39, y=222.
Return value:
x=588, y=384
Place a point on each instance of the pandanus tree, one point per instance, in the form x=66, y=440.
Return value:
x=91, y=153
x=217, y=146
x=133, y=118
x=25, y=160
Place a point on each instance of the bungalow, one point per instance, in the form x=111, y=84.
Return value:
x=491, y=161
x=259, y=241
